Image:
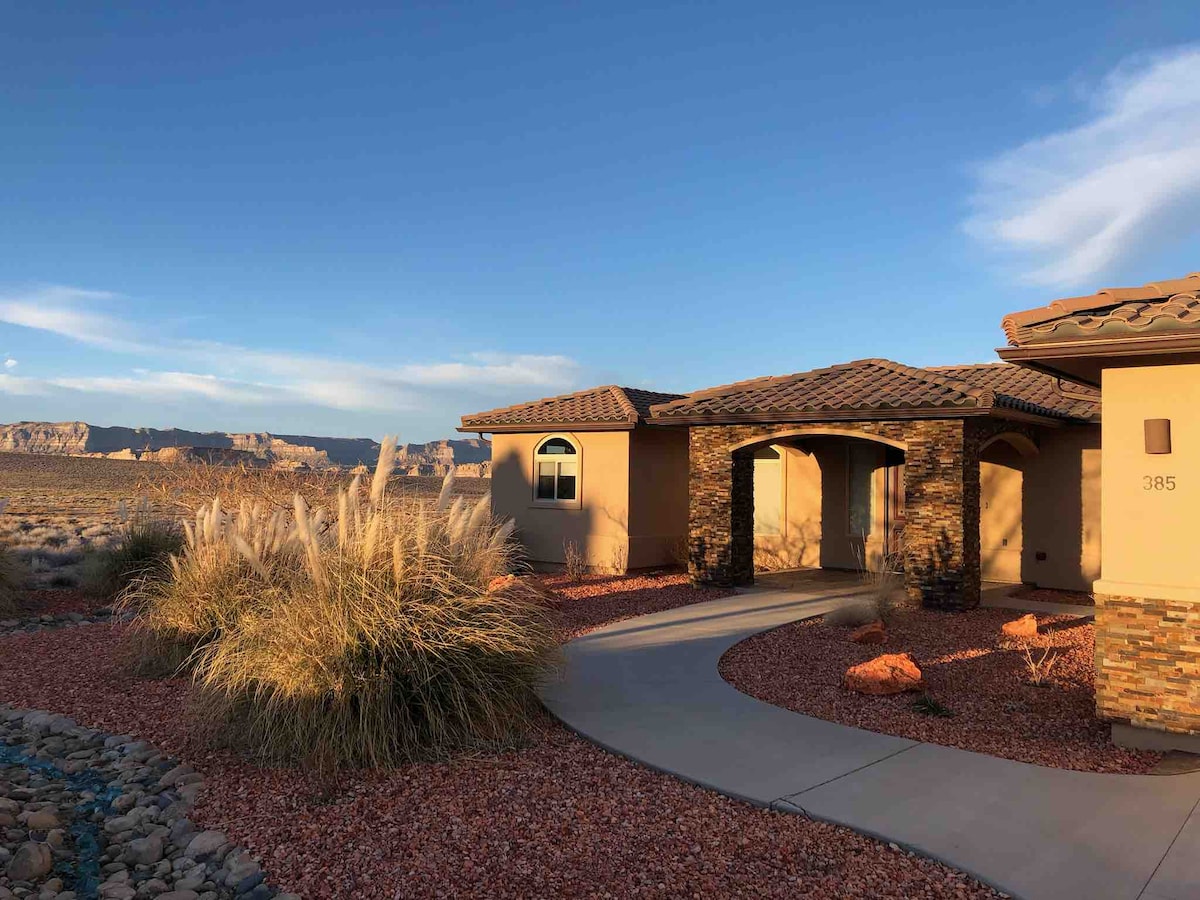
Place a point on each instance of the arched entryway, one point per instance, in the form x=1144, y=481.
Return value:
x=1002, y=473
x=822, y=498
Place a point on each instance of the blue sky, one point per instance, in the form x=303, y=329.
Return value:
x=300, y=217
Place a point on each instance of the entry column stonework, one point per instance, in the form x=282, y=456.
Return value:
x=720, y=508
x=941, y=514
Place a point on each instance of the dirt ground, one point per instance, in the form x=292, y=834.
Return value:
x=60, y=507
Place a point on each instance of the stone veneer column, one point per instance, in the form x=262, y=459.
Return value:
x=941, y=513
x=1148, y=663
x=720, y=508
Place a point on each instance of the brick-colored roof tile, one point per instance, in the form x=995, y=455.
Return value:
x=607, y=405
x=876, y=388
x=1159, y=307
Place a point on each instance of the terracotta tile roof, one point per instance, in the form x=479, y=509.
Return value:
x=1027, y=389
x=1113, y=313
x=874, y=388
x=606, y=407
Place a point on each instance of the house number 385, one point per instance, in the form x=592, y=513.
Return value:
x=1158, y=482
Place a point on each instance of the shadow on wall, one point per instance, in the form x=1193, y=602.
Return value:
x=548, y=533
x=1040, y=513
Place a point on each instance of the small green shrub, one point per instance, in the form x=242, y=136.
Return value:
x=12, y=575
x=140, y=550
x=12, y=578
x=927, y=705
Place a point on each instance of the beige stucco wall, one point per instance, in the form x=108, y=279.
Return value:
x=1149, y=535
x=658, y=497
x=633, y=497
x=1001, y=483
x=1047, y=505
x=599, y=527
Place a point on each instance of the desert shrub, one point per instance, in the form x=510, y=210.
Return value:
x=928, y=705
x=853, y=615
x=575, y=565
x=12, y=575
x=1039, y=668
x=365, y=637
x=141, y=549
x=885, y=579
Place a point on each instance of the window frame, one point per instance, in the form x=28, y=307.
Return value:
x=557, y=459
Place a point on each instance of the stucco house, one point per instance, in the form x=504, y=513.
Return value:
x=1141, y=347
x=989, y=472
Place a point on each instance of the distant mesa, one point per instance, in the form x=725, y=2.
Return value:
x=471, y=456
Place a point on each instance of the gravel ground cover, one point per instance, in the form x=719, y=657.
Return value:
x=603, y=599
x=556, y=818
x=995, y=708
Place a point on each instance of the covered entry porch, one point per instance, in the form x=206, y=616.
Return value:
x=828, y=499
x=921, y=477
x=829, y=467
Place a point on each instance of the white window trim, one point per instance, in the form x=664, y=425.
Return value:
x=577, y=458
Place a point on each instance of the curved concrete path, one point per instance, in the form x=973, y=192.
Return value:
x=648, y=688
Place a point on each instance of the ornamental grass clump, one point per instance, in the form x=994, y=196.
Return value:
x=367, y=637
x=142, y=548
x=230, y=562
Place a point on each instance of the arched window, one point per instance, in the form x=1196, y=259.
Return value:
x=556, y=471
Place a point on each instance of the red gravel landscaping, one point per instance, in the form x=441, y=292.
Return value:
x=558, y=818
x=600, y=600
x=55, y=602
x=996, y=709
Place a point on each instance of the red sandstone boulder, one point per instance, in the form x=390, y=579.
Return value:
x=871, y=633
x=892, y=673
x=1024, y=627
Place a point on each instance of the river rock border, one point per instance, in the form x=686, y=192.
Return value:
x=90, y=816
x=30, y=624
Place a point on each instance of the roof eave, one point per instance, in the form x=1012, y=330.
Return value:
x=1037, y=355
x=538, y=427
x=827, y=415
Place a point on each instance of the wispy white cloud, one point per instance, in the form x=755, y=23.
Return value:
x=10, y=363
x=22, y=387
x=234, y=374
x=1076, y=202
x=71, y=312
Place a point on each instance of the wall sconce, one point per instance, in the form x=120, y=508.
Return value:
x=1158, y=435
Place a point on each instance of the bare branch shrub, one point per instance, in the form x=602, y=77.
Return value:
x=575, y=565
x=1038, y=669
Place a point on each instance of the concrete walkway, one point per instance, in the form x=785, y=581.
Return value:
x=648, y=688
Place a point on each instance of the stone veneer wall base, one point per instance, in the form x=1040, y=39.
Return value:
x=1148, y=666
